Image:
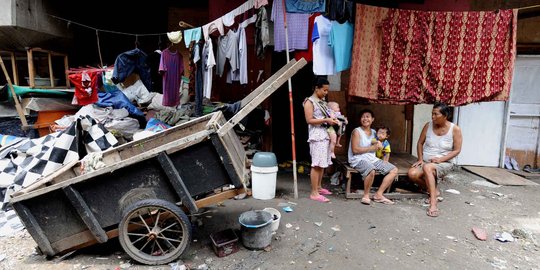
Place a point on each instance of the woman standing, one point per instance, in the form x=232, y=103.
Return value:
x=316, y=111
x=438, y=145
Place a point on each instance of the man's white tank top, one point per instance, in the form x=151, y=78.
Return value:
x=438, y=146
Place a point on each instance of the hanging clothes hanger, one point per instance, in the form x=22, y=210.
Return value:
x=137, y=41
x=160, y=46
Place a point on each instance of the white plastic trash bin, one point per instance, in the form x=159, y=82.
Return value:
x=264, y=175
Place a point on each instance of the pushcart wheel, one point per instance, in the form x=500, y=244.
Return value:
x=154, y=231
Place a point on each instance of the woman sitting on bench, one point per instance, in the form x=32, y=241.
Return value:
x=362, y=157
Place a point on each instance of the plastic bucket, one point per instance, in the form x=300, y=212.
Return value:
x=276, y=217
x=263, y=175
x=263, y=182
x=256, y=229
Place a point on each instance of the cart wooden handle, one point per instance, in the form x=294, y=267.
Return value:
x=262, y=92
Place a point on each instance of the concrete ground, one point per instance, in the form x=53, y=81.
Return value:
x=344, y=234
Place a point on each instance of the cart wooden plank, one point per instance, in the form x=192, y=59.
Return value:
x=262, y=92
x=86, y=214
x=176, y=181
x=34, y=229
x=227, y=162
x=67, y=244
x=219, y=197
x=43, y=182
x=177, y=145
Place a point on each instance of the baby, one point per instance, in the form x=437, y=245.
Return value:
x=335, y=135
x=383, y=133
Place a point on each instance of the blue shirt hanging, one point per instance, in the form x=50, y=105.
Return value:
x=341, y=41
x=305, y=6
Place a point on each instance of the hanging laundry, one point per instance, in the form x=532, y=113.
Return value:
x=232, y=54
x=211, y=27
x=133, y=61
x=307, y=54
x=389, y=73
x=175, y=37
x=242, y=54
x=86, y=86
x=193, y=34
x=341, y=41
x=153, y=60
x=249, y=18
x=228, y=19
x=221, y=51
x=341, y=10
x=172, y=68
x=305, y=6
x=199, y=84
x=241, y=73
x=106, y=79
x=208, y=67
x=323, y=57
x=366, y=51
x=262, y=34
x=260, y=3
x=454, y=57
x=297, y=27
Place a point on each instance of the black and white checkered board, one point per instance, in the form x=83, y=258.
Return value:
x=29, y=160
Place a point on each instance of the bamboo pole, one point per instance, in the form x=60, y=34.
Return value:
x=293, y=139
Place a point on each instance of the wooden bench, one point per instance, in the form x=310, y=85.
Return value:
x=402, y=161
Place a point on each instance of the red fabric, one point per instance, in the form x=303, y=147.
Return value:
x=454, y=57
x=86, y=86
x=307, y=54
x=366, y=52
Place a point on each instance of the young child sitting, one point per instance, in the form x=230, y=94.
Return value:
x=383, y=133
x=336, y=132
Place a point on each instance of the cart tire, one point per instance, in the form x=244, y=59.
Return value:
x=154, y=231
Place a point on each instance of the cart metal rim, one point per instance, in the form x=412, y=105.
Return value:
x=154, y=233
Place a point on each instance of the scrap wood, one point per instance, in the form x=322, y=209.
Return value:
x=499, y=176
x=15, y=98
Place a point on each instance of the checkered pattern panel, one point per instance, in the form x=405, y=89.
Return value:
x=29, y=160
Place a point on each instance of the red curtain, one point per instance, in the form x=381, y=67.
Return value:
x=454, y=57
x=366, y=51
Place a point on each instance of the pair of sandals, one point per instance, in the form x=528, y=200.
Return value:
x=386, y=201
x=320, y=197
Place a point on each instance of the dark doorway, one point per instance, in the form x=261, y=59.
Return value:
x=281, y=124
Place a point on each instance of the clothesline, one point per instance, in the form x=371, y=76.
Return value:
x=108, y=31
x=87, y=69
x=248, y=3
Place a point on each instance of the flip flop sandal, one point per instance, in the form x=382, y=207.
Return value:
x=439, y=199
x=384, y=201
x=319, y=198
x=324, y=191
x=365, y=201
x=433, y=213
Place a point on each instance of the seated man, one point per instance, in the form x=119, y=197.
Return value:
x=438, y=145
x=362, y=157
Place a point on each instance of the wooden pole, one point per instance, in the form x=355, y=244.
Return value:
x=293, y=139
x=17, y=104
x=51, y=73
x=14, y=69
x=31, y=71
